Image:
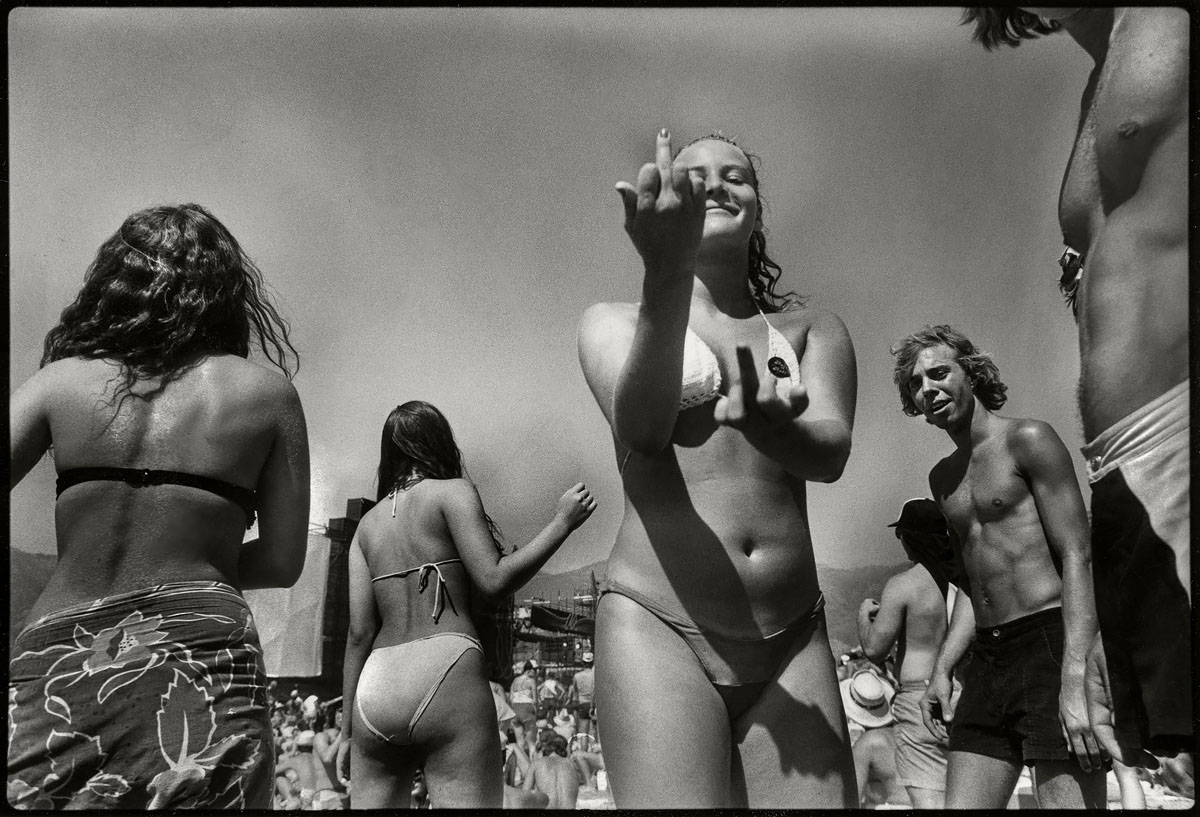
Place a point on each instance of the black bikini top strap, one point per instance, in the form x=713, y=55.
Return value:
x=141, y=477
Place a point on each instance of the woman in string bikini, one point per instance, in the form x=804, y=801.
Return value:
x=415, y=680
x=724, y=400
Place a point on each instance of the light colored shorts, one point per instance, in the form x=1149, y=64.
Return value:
x=920, y=759
x=1140, y=473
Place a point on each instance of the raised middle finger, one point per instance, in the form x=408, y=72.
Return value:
x=747, y=374
x=662, y=159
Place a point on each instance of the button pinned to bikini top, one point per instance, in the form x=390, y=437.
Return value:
x=778, y=367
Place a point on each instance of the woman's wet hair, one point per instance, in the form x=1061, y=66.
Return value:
x=171, y=285
x=996, y=26
x=418, y=443
x=981, y=370
x=764, y=273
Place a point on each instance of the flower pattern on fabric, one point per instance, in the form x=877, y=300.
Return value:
x=190, y=730
x=136, y=641
x=186, y=723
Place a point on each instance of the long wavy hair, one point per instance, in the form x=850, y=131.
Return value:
x=981, y=370
x=417, y=443
x=171, y=285
x=764, y=273
x=995, y=26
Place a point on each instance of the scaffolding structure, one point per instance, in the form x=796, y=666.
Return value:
x=555, y=633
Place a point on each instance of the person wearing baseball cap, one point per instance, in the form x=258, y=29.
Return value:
x=583, y=687
x=911, y=616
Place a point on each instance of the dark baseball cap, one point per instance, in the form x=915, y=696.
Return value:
x=920, y=514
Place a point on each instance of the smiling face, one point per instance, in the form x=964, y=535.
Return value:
x=940, y=388
x=731, y=202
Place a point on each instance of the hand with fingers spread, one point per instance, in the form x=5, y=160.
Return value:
x=1099, y=711
x=576, y=506
x=664, y=213
x=755, y=405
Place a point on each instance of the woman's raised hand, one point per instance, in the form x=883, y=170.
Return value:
x=576, y=505
x=755, y=402
x=664, y=214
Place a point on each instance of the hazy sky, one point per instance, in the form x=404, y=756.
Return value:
x=429, y=193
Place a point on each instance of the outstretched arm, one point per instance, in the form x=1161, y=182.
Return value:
x=495, y=574
x=633, y=367
x=879, y=622
x=807, y=432
x=1046, y=466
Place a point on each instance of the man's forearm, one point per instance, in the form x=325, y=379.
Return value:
x=1079, y=615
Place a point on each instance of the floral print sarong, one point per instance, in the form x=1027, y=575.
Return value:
x=143, y=700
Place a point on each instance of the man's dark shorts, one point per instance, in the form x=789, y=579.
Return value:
x=1009, y=704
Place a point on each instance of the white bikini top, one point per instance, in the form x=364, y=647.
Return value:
x=702, y=373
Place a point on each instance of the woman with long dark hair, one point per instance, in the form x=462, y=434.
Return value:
x=725, y=398
x=139, y=682
x=415, y=682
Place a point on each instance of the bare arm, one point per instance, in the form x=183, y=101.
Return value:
x=879, y=622
x=936, y=708
x=28, y=425
x=808, y=433
x=528, y=783
x=364, y=626
x=498, y=575
x=634, y=373
x=1046, y=466
x=276, y=558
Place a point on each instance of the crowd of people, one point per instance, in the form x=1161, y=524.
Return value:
x=1066, y=648
x=307, y=734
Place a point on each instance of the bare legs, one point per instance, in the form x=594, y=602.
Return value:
x=978, y=781
x=1062, y=784
x=668, y=740
x=457, y=743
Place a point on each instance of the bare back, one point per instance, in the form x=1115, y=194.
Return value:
x=999, y=529
x=924, y=627
x=1124, y=204
x=418, y=534
x=557, y=778
x=225, y=418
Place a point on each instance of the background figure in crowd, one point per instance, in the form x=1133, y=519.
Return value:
x=1123, y=210
x=553, y=774
x=551, y=695
x=583, y=686
x=315, y=783
x=522, y=696
x=711, y=626
x=415, y=674
x=168, y=444
x=1020, y=530
x=911, y=616
x=867, y=698
x=505, y=716
x=327, y=741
